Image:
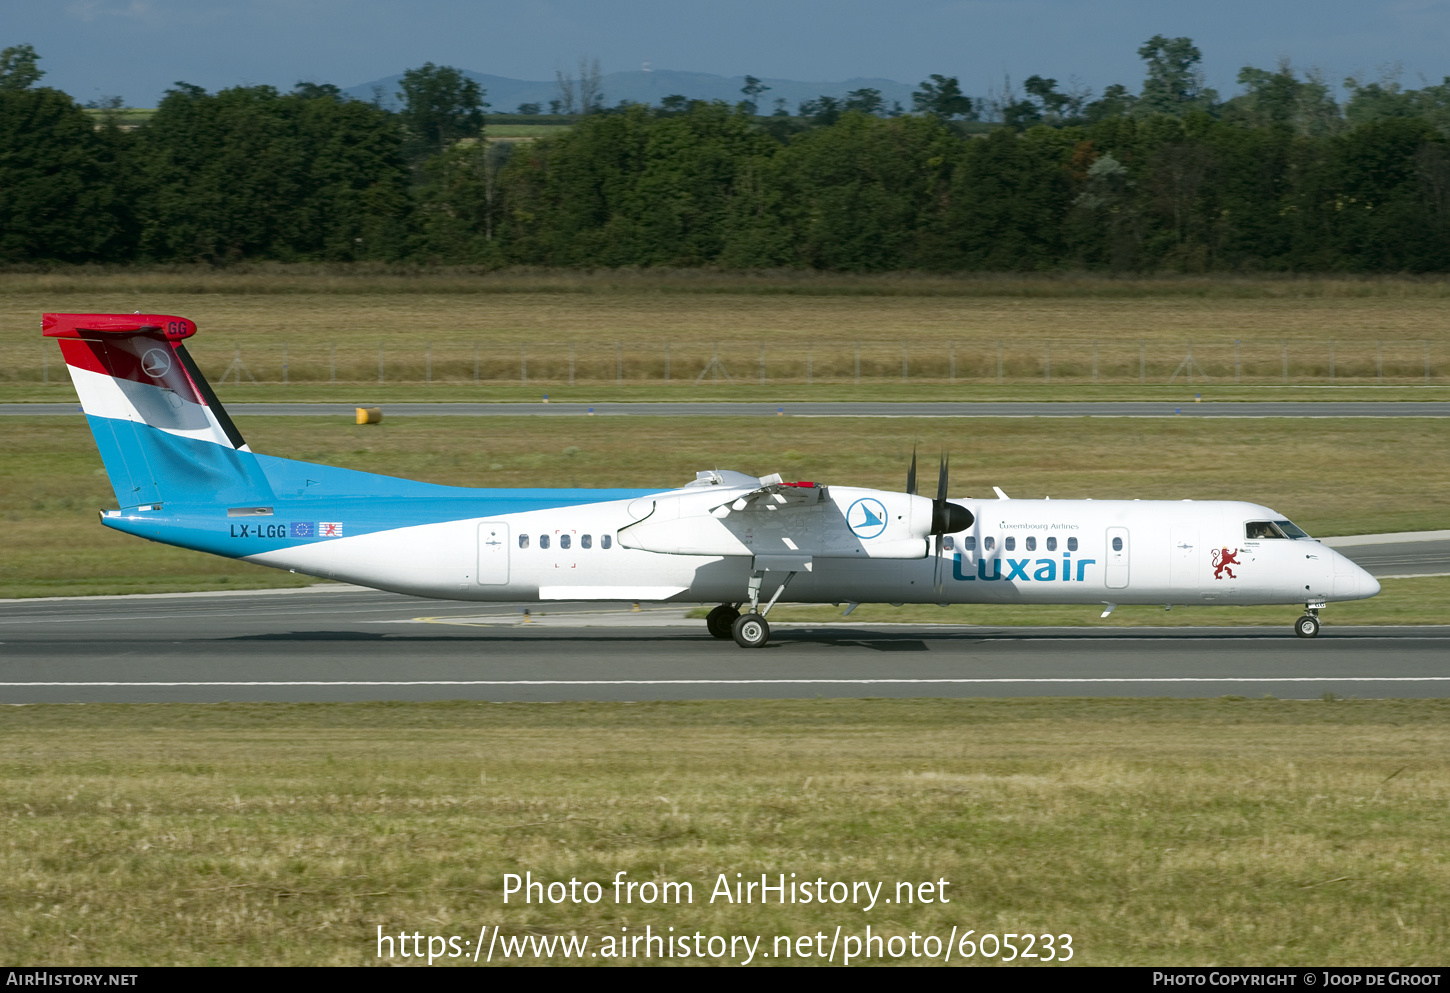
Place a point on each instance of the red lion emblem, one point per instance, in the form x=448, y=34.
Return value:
x=1222, y=559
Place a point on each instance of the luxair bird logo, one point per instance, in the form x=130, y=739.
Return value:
x=867, y=517
x=1222, y=559
x=155, y=363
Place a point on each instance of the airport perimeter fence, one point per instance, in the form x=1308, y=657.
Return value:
x=1043, y=362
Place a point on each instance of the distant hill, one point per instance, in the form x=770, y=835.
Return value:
x=504, y=94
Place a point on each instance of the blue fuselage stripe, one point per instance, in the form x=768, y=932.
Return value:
x=195, y=482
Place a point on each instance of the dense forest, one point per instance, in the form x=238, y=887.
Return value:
x=1280, y=177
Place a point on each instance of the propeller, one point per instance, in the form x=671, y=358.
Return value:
x=946, y=518
x=911, y=473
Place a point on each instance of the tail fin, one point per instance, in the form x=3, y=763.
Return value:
x=163, y=435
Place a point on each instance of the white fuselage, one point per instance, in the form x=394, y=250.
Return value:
x=1016, y=551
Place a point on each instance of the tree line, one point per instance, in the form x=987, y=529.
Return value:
x=1278, y=178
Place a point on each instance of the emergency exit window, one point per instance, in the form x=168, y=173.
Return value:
x=563, y=541
x=586, y=541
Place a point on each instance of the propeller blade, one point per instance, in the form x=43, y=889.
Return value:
x=911, y=473
x=936, y=569
x=947, y=518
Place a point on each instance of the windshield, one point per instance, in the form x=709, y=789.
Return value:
x=1291, y=529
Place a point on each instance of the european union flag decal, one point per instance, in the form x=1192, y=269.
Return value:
x=304, y=529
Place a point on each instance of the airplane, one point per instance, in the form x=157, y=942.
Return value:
x=183, y=475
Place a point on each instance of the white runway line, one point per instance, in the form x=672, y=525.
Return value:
x=754, y=682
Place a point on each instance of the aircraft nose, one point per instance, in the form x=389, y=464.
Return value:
x=1368, y=585
x=1365, y=585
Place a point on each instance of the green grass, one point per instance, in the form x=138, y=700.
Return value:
x=1158, y=832
x=1345, y=476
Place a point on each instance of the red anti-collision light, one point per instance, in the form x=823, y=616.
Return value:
x=116, y=325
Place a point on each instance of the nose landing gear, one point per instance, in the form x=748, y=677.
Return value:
x=1308, y=625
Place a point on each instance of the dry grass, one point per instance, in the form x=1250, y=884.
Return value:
x=1064, y=331
x=1343, y=477
x=1155, y=832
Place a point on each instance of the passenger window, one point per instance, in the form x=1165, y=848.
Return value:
x=989, y=543
x=605, y=541
x=1261, y=529
x=586, y=541
x=1117, y=544
x=1052, y=544
x=1072, y=544
x=948, y=543
x=1031, y=543
x=523, y=541
x=1010, y=543
x=969, y=543
x=543, y=541
x=563, y=541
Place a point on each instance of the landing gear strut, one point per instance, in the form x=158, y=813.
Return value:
x=1308, y=625
x=721, y=621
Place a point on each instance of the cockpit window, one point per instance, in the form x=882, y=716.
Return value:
x=1291, y=529
x=1263, y=529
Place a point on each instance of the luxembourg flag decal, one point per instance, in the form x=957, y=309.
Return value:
x=329, y=529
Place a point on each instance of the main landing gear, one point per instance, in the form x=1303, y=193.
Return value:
x=1308, y=625
x=748, y=629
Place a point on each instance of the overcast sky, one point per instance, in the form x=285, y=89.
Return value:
x=137, y=48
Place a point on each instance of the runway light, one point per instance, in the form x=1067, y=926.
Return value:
x=591, y=411
x=546, y=398
x=369, y=415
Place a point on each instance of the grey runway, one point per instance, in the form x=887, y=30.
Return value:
x=1422, y=558
x=334, y=644
x=1274, y=408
